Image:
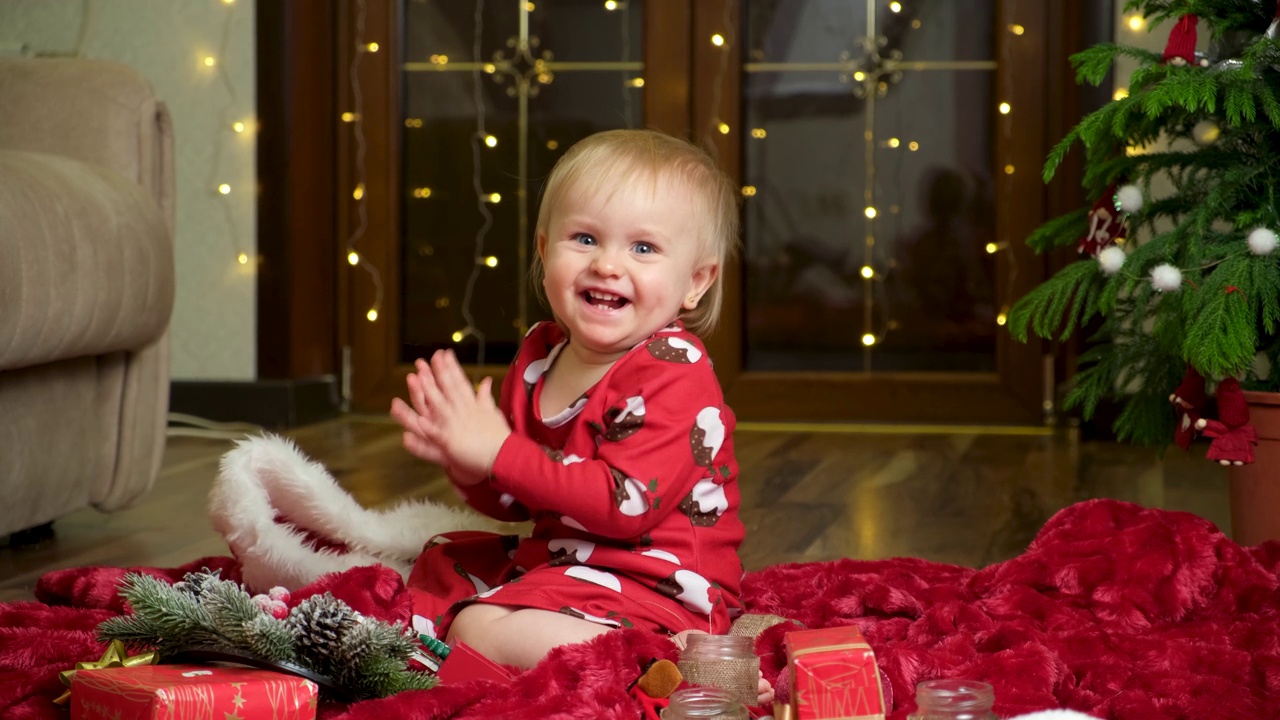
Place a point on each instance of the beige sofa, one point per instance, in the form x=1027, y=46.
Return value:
x=86, y=287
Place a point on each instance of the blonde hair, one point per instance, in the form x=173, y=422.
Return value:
x=616, y=158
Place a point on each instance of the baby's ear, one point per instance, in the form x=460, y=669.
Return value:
x=703, y=277
x=541, y=244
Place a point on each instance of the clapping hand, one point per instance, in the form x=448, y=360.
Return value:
x=450, y=423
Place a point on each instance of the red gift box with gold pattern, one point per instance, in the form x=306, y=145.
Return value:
x=834, y=675
x=187, y=692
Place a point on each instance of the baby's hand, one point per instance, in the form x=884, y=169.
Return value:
x=463, y=422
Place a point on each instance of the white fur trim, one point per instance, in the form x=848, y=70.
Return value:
x=265, y=476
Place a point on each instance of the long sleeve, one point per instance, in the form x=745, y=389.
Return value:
x=657, y=447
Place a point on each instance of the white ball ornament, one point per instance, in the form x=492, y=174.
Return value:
x=1206, y=132
x=1166, y=278
x=1262, y=241
x=1111, y=260
x=1129, y=197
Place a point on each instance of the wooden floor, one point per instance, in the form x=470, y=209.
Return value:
x=969, y=498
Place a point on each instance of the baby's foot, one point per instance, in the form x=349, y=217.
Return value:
x=764, y=691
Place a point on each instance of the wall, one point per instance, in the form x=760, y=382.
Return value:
x=213, y=330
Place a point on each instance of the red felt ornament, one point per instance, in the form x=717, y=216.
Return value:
x=1106, y=225
x=1181, y=47
x=1233, y=436
x=1188, y=402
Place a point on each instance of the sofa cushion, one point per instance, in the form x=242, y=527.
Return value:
x=86, y=262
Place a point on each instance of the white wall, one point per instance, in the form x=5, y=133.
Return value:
x=213, y=328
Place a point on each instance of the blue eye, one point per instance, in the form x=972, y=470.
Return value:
x=645, y=248
x=583, y=239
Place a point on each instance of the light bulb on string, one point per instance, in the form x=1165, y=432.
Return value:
x=372, y=47
x=868, y=339
x=238, y=127
x=748, y=190
x=717, y=40
x=358, y=193
x=491, y=141
x=224, y=189
x=870, y=212
x=353, y=258
x=1017, y=29
x=372, y=314
x=868, y=272
x=895, y=7
x=1136, y=22
x=491, y=261
x=1002, y=318
x=243, y=258
x=210, y=61
x=1005, y=108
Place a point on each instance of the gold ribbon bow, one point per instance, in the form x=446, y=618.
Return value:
x=114, y=657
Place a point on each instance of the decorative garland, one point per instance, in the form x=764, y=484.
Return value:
x=350, y=656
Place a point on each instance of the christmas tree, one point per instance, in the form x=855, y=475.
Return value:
x=1179, y=272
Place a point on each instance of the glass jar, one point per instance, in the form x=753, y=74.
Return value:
x=727, y=662
x=954, y=700
x=702, y=703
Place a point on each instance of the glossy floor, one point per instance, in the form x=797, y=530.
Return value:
x=969, y=498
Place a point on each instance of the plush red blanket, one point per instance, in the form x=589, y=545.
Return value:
x=1114, y=610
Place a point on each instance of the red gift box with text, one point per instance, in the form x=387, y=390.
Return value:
x=834, y=675
x=180, y=692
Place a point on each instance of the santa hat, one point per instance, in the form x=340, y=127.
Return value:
x=1233, y=410
x=1182, y=41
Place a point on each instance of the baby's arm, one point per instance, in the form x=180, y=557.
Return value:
x=415, y=440
x=660, y=440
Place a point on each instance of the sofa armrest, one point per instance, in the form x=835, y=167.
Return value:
x=88, y=266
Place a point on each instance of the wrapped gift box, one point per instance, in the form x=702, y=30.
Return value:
x=180, y=692
x=834, y=675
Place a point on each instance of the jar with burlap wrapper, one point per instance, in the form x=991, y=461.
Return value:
x=727, y=662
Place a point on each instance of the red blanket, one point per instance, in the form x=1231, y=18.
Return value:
x=1114, y=610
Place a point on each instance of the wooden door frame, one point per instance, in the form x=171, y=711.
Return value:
x=1023, y=386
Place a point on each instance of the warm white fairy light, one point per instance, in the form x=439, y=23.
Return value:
x=611, y=5
x=868, y=272
x=723, y=127
x=217, y=176
x=870, y=212
x=895, y=7
x=1136, y=22
x=1005, y=108
x=491, y=141
x=717, y=40
x=1016, y=29
x=868, y=339
x=355, y=118
x=1120, y=94
x=748, y=190
x=491, y=261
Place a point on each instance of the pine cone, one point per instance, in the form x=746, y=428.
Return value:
x=197, y=583
x=319, y=623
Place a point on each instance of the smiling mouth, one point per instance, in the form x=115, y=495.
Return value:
x=605, y=300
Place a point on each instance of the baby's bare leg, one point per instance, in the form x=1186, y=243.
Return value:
x=519, y=636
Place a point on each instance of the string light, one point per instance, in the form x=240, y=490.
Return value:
x=748, y=190
x=868, y=339
x=870, y=212
x=895, y=7
x=913, y=146
x=1016, y=29
x=1008, y=169
x=723, y=128
x=759, y=133
x=483, y=200
x=868, y=272
x=552, y=145
x=611, y=5
x=1002, y=318
x=216, y=178
x=1136, y=22
x=422, y=192
x=1120, y=94
x=1005, y=108
x=717, y=40
x=491, y=141
x=893, y=142
x=372, y=47
x=356, y=119
x=413, y=122
x=491, y=261
x=636, y=82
